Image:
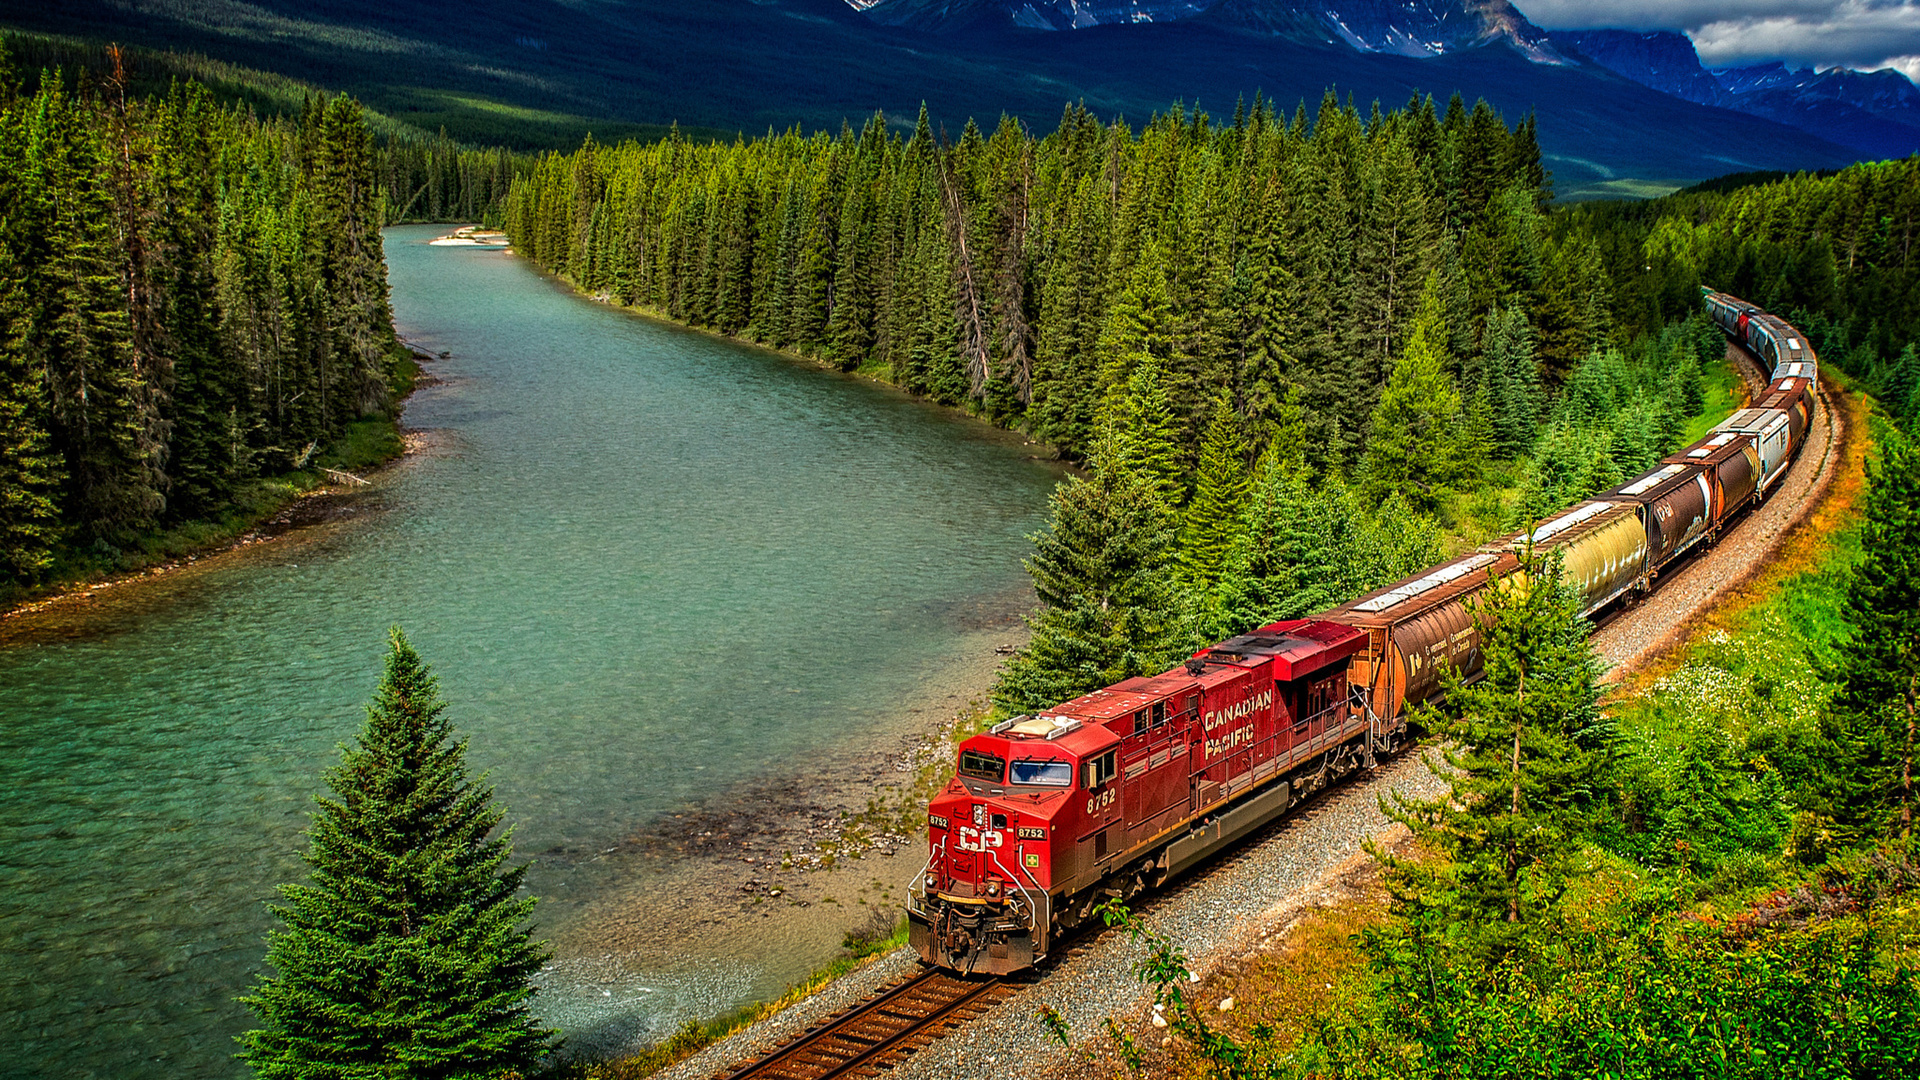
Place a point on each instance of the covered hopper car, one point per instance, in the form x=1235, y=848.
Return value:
x=1112, y=793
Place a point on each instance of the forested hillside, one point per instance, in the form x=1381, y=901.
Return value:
x=195, y=298
x=1277, y=262
x=424, y=176
x=1838, y=254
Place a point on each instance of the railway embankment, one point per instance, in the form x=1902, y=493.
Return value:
x=1250, y=917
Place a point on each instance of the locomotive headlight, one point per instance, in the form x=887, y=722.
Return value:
x=932, y=881
x=993, y=888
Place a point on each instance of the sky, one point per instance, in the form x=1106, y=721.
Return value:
x=1866, y=34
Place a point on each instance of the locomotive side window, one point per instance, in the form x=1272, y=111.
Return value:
x=1043, y=773
x=1140, y=721
x=1159, y=713
x=982, y=766
x=1193, y=704
x=1101, y=769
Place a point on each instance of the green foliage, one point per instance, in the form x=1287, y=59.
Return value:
x=1102, y=569
x=1528, y=758
x=1634, y=1001
x=1030, y=278
x=1221, y=486
x=1510, y=380
x=1303, y=547
x=193, y=297
x=404, y=954
x=1875, y=721
x=1414, y=443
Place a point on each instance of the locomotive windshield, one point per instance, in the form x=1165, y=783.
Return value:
x=1043, y=773
x=982, y=766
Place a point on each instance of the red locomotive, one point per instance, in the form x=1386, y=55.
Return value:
x=1114, y=792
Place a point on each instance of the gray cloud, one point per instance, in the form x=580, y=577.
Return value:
x=1804, y=33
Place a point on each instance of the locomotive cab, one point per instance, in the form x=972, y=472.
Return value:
x=982, y=903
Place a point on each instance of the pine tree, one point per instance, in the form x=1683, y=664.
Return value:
x=1902, y=393
x=1876, y=706
x=1529, y=754
x=404, y=954
x=1141, y=441
x=1220, y=492
x=1413, y=443
x=1102, y=572
x=1511, y=379
x=29, y=470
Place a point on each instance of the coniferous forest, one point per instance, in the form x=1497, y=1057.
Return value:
x=196, y=298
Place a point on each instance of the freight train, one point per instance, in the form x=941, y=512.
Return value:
x=1114, y=792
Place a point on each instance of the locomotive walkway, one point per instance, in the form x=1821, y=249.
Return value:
x=891, y=1017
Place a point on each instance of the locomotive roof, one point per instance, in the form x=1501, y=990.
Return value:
x=1423, y=592
x=1126, y=698
x=1070, y=733
x=1297, y=647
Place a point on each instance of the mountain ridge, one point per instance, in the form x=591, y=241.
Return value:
x=541, y=73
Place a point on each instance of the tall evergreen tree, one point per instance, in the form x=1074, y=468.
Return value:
x=29, y=470
x=1510, y=377
x=1220, y=492
x=1103, y=575
x=1876, y=707
x=1529, y=756
x=404, y=954
x=1413, y=445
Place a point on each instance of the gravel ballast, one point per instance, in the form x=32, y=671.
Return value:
x=1260, y=886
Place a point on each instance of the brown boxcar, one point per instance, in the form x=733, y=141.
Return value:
x=1678, y=501
x=1732, y=464
x=1416, y=626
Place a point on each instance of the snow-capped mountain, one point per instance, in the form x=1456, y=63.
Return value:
x=1874, y=112
x=1417, y=28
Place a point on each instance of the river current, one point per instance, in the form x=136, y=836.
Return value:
x=650, y=568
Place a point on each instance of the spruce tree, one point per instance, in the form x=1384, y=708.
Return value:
x=1876, y=707
x=1511, y=377
x=1220, y=492
x=29, y=469
x=1416, y=430
x=1528, y=758
x=404, y=954
x=1109, y=611
x=1142, y=437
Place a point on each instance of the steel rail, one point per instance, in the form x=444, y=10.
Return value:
x=888, y=1011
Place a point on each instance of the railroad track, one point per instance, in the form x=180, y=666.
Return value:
x=899, y=1021
x=873, y=1035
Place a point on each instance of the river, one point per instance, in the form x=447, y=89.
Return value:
x=655, y=572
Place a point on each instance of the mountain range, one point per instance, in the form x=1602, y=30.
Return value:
x=1876, y=113
x=538, y=73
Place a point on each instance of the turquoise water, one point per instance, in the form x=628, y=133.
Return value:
x=647, y=565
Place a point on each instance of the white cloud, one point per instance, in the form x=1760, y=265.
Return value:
x=1856, y=33
x=1663, y=14
x=1804, y=33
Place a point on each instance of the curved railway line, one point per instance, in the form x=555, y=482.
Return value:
x=895, y=1023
